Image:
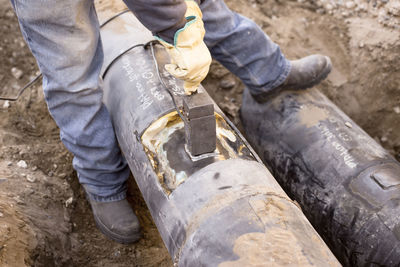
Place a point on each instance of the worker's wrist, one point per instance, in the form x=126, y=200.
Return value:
x=168, y=34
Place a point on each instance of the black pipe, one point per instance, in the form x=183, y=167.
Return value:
x=222, y=209
x=347, y=185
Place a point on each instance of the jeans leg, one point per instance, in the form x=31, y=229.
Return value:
x=243, y=48
x=64, y=37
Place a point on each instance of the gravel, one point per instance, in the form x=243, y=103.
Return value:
x=227, y=83
x=30, y=178
x=385, y=12
x=6, y=104
x=17, y=73
x=22, y=164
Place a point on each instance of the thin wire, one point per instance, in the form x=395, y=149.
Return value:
x=20, y=91
x=162, y=81
x=34, y=80
x=118, y=57
x=114, y=17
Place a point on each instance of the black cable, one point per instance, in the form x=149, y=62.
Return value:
x=118, y=57
x=114, y=17
x=162, y=81
x=34, y=80
x=20, y=91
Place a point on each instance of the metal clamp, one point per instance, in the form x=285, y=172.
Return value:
x=200, y=124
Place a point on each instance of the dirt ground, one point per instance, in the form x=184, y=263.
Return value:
x=44, y=217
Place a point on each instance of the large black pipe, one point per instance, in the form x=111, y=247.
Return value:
x=347, y=185
x=222, y=210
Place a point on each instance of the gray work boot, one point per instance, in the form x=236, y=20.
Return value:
x=304, y=73
x=116, y=220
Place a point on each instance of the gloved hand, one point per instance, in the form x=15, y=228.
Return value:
x=190, y=58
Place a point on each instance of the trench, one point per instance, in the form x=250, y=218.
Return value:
x=353, y=86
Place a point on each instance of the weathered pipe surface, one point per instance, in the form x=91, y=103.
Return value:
x=223, y=210
x=347, y=185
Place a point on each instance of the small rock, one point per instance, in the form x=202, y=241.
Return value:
x=345, y=14
x=350, y=4
x=363, y=6
x=228, y=83
x=17, y=73
x=22, y=164
x=50, y=174
x=34, y=168
x=9, y=14
x=396, y=110
x=117, y=253
x=69, y=201
x=9, y=163
x=348, y=124
x=361, y=45
x=30, y=179
x=384, y=139
x=394, y=8
x=1, y=215
x=217, y=71
x=6, y=104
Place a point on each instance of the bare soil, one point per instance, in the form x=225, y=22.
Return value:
x=44, y=217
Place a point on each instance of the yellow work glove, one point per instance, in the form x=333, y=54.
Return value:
x=190, y=58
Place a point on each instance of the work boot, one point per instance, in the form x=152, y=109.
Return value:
x=305, y=73
x=116, y=220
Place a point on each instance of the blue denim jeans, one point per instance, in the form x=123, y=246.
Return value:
x=243, y=48
x=63, y=35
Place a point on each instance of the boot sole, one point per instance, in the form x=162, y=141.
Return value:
x=327, y=69
x=122, y=239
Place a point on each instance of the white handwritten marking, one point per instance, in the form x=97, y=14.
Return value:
x=344, y=153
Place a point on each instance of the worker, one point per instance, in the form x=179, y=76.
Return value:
x=64, y=37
